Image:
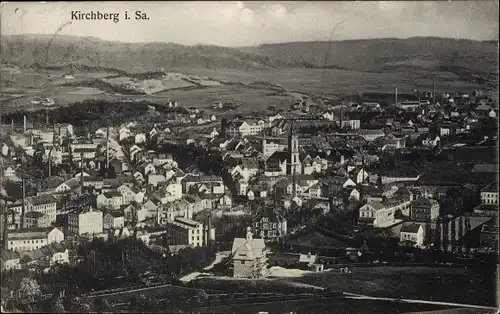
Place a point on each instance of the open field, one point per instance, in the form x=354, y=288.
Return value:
x=339, y=81
x=23, y=84
x=470, y=285
x=30, y=78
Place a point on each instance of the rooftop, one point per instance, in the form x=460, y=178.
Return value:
x=413, y=228
x=491, y=188
x=186, y=221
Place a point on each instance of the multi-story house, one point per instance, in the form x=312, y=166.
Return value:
x=270, y=224
x=190, y=180
x=90, y=222
x=376, y=214
x=241, y=128
x=413, y=234
x=371, y=134
x=36, y=220
x=113, y=220
x=249, y=257
x=32, y=239
x=489, y=194
x=184, y=231
x=10, y=260
x=247, y=168
x=131, y=194
x=111, y=198
x=45, y=204
x=333, y=186
x=424, y=210
x=269, y=146
x=82, y=143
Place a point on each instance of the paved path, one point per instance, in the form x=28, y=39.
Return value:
x=129, y=291
x=218, y=258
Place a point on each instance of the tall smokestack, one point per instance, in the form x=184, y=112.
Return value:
x=341, y=115
x=433, y=91
x=12, y=126
x=23, y=207
x=3, y=210
x=81, y=173
x=396, y=95
x=24, y=124
x=107, y=147
x=208, y=229
x=50, y=162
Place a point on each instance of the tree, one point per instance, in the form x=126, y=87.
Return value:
x=25, y=259
x=29, y=287
x=57, y=306
x=79, y=305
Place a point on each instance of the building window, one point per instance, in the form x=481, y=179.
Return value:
x=242, y=262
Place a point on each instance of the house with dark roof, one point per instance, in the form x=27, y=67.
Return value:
x=489, y=194
x=111, y=198
x=113, y=220
x=412, y=234
x=9, y=260
x=36, y=220
x=270, y=223
x=424, y=210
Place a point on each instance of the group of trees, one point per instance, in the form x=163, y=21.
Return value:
x=88, y=114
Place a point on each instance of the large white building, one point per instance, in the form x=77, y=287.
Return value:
x=90, y=222
x=45, y=204
x=32, y=239
x=377, y=214
x=241, y=128
x=184, y=231
x=489, y=194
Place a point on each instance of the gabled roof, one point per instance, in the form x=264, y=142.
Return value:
x=41, y=199
x=491, y=188
x=112, y=193
x=376, y=205
x=9, y=255
x=248, y=249
x=413, y=228
x=423, y=201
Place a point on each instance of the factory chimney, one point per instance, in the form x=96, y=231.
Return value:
x=341, y=115
x=50, y=162
x=24, y=124
x=12, y=126
x=3, y=210
x=107, y=147
x=81, y=174
x=23, y=206
x=208, y=229
x=396, y=95
x=433, y=91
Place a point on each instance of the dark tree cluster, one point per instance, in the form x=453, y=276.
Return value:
x=84, y=114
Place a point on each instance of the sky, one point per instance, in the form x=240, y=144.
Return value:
x=247, y=23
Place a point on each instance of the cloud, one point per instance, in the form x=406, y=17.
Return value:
x=234, y=23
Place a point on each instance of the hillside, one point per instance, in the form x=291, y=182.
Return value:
x=35, y=49
x=373, y=55
x=386, y=54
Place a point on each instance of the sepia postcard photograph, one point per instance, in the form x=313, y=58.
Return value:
x=249, y=157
